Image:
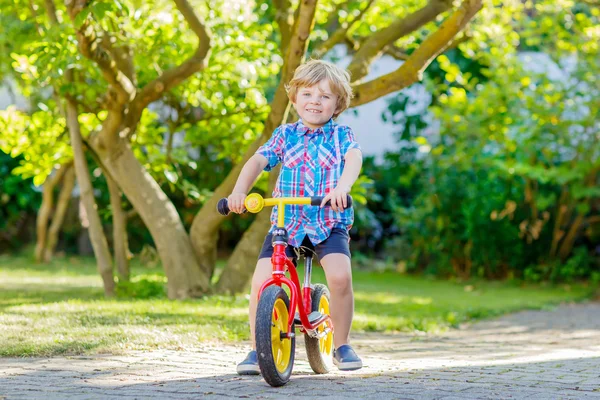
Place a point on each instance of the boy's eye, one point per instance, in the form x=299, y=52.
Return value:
x=325, y=97
x=305, y=94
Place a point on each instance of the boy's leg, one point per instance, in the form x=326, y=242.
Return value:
x=338, y=273
x=334, y=253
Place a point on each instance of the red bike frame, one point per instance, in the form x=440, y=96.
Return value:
x=281, y=263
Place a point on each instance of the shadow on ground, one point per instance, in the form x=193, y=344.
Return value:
x=564, y=379
x=527, y=355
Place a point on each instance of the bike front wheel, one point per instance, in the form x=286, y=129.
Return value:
x=274, y=349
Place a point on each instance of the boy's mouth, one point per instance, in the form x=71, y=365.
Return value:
x=310, y=110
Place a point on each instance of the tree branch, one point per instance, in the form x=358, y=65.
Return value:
x=373, y=46
x=51, y=11
x=34, y=18
x=90, y=47
x=294, y=56
x=172, y=77
x=396, y=52
x=206, y=222
x=466, y=36
x=302, y=27
x=122, y=56
x=340, y=34
x=131, y=214
x=285, y=20
x=411, y=71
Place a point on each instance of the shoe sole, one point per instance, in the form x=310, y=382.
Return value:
x=248, y=370
x=348, y=366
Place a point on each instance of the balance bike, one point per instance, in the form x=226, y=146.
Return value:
x=276, y=315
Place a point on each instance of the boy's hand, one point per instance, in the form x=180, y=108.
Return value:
x=235, y=201
x=338, y=197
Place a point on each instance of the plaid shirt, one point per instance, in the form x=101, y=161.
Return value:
x=312, y=166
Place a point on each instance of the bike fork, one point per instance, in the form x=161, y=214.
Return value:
x=306, y=286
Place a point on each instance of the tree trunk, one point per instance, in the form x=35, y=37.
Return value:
x=97, y=237
x=161, y=218
x=45, y=211
x=557, y=232
x=205, y=227
x=404, y=76
x=567, y=245
x=241, y=263
x=206, y=223
x=120, y=242
x=59, y=215
x=238, y=271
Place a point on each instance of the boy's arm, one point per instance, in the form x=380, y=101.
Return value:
x=352, y=168
x=245, y=181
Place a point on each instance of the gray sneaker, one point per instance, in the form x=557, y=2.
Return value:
x=250, y=365
x=346, y=359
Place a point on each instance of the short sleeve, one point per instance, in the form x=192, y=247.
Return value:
x=347, y=140
x=273, y=149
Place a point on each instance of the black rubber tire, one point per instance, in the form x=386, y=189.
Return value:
x=264, y=346
x=320, y=362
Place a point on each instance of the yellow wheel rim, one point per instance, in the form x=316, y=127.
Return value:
x=282, y=348
x=326, y=342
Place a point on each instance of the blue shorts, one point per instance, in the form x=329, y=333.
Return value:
x=337, y=242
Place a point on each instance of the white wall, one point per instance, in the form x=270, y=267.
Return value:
x=373, y=134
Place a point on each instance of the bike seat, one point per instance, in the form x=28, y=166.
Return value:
x=305, y=252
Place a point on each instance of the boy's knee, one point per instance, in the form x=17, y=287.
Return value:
x=339, y=282
x=338, y=272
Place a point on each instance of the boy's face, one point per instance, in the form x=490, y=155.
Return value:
x=316, y=104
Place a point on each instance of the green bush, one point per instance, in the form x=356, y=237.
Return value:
x=18, y=204
x=142, y=287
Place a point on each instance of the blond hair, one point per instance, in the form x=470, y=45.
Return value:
x=313, y=72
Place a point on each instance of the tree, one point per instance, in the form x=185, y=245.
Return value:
x=115, y=79
x=109, y=108
x=238, y=270
x=510, y=186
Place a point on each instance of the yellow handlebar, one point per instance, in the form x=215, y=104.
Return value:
x=255, y=203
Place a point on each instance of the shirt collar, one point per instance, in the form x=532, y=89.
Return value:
x=302, y=129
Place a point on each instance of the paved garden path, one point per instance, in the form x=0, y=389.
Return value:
x=529, y=355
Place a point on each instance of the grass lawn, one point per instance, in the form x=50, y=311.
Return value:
x=60, y=309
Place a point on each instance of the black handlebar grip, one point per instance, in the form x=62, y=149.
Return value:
x=316, y=201
x=223, y=207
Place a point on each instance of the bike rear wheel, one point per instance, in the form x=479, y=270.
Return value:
x=320, y=350
x=275, y=351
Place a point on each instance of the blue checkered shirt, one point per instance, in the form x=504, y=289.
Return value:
x=311, y=166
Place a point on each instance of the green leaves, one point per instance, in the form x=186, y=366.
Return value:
x=40, y=140
x=518, y=144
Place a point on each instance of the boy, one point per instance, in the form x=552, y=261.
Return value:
x=313, y=151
